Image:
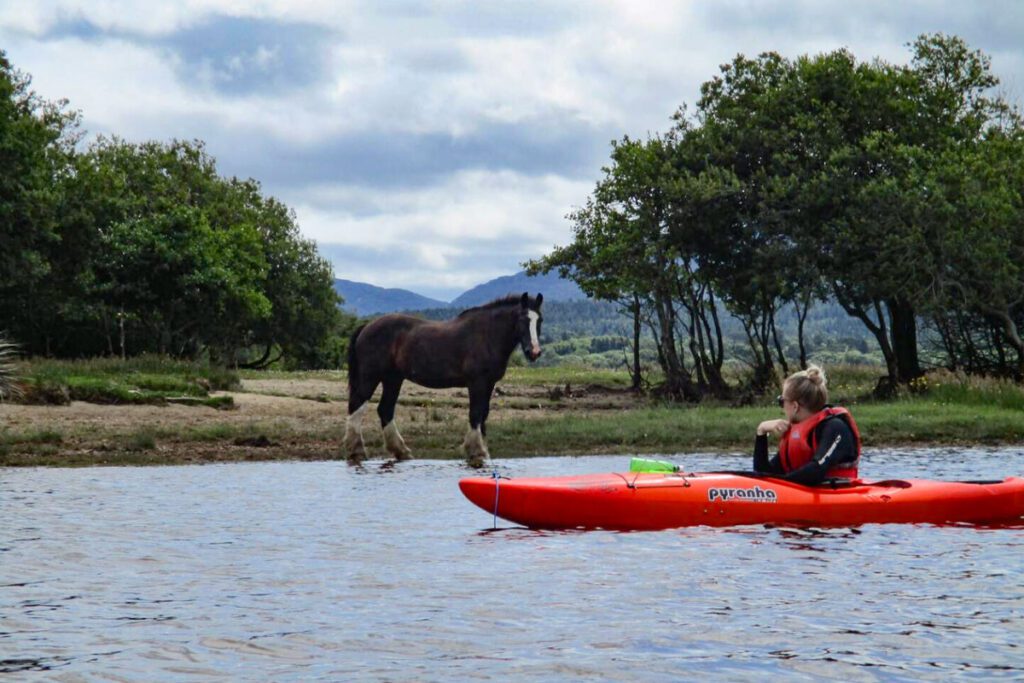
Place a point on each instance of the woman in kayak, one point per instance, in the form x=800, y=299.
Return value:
x=817, y=441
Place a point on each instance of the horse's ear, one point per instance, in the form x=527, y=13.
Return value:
x=540, y=300
x=525, y=301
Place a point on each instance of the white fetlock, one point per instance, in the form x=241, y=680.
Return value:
x=394, y=442
x=475, y=449
x=354, y=445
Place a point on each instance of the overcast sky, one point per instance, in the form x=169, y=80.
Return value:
x=435, y=145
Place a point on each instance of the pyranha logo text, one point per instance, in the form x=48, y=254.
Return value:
x=754, y=495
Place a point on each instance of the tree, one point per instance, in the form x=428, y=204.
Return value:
x=759, y=128
x=305, y=324
x=915, y=116
x=621, y=251
x=35, y=138
x=982, y=210
x=172, y=258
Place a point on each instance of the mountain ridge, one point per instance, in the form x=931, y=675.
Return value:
x=361, y=298
x=365, y=299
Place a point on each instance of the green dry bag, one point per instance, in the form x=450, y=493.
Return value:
x=648, y=465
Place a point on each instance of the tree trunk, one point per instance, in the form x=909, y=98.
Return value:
x=120, y=327
x=635, y=374
x=801, y=318
x=678, y=380
x=877, y=329
x=778, y=345
x=1013, y=337
x=946, y=335
x=262, y=362
x=903, y=328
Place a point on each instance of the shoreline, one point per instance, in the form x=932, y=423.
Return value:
x=525, y=423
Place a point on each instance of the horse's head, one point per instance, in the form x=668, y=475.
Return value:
x=528, y=325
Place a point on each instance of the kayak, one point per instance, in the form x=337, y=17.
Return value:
x=664, y=500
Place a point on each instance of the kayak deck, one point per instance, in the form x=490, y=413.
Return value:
x=650, y=501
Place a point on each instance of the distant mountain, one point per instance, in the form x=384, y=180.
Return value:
x=363, y=299
x=551, y=286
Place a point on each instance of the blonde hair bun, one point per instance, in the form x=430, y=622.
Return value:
x=807, y=388
x=816, y=375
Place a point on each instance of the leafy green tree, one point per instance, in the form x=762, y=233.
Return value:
x=622, y=251
x=35, y=138
x=884, y=177
x=162, y=262
x=982, y=246
x=305, y=324
x=754, y=128
x=179, y=260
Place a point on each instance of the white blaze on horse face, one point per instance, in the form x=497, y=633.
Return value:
x=534, y=341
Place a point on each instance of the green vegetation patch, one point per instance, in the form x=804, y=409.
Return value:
x=148, y=380
x=578, y=375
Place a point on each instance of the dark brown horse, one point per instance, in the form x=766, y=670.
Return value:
x=471, y=350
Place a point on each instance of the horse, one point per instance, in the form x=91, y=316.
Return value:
x=471, y=350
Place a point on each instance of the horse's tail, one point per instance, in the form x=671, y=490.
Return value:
x=353, y=361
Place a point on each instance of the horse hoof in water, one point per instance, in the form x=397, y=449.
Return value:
x=356, y=453
x=474, y=449
x=395, y=444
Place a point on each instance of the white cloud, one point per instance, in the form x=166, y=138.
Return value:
x=529, y=91
x=468, y=207
x=473, y=227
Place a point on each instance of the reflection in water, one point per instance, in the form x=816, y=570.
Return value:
x=296, y=571
x=814, y=539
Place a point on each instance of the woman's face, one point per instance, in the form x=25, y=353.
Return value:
x=789, y=407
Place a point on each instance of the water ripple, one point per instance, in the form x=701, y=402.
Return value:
x=307, y=571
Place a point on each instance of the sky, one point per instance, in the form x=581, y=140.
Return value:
x=432, y=146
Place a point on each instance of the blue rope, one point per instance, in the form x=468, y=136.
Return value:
x=497, y=489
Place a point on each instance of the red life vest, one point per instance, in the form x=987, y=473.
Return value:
x=800, y=441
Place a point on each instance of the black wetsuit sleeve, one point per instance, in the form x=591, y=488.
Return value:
x=835, y=445
x=762, y=463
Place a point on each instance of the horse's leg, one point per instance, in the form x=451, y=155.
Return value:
x=360, y=391
x=487, y=411
x=386, y=410
x=473, y=445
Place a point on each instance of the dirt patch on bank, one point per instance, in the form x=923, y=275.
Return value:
x=272, y=419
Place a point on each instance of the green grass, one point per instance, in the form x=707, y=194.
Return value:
x=943, y=408
x=47, y=435
x=326, y=375
x=142, y=380
x=563, y=374
x=696, y=429
x=143, y=439
x=944, y=386
x=273, y=430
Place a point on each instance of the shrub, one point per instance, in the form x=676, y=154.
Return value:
x=9, y=387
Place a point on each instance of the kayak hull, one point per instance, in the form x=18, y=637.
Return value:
x=650, y=501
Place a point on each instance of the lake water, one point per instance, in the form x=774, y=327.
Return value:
x=293, y=571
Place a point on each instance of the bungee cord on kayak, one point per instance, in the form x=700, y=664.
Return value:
x=497, y=490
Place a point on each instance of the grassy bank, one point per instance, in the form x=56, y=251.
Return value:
x=536, y=411
x=148, y=380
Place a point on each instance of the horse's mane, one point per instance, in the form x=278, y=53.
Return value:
x=497, y=303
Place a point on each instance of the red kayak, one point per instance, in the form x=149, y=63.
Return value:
x=646, y=501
